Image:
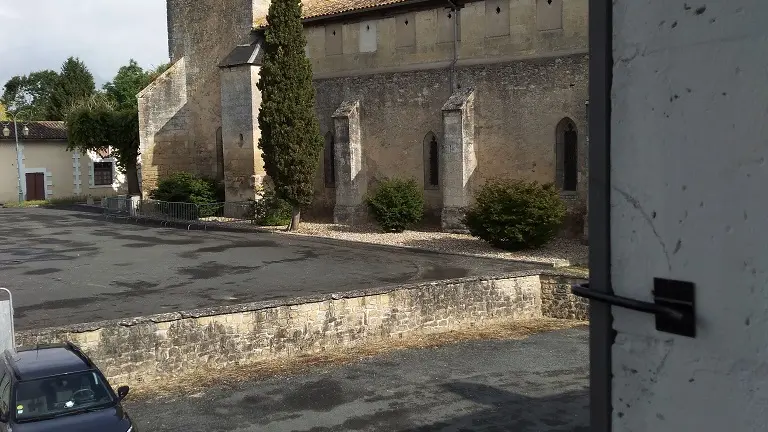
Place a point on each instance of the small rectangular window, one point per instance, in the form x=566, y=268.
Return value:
x=102, y=173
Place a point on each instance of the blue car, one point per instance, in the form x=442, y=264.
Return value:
x=58, y=388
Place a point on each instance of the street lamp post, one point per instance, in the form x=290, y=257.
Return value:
x=19, y=158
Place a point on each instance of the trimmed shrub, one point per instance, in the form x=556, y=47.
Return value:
x=396, y=204
x=515, y=215
x=187, y=188
x=271, y=210
x=184, y=187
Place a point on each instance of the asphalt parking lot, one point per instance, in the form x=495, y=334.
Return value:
x=532, y=385
x=67, y=267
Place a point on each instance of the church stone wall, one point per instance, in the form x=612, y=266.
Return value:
x=164, y=127
x=204, y=32
x=424, y=39
x=518, y=106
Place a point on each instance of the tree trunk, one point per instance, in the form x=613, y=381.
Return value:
x=295, y=219
x=132, y=177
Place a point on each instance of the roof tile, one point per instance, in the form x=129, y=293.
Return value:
x=318, y=8
x=38, y=130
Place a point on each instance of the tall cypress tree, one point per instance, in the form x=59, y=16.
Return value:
x=75, y=83
x=290, y=134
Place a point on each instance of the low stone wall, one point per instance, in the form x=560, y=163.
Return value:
x=134, y=350
x=557, y=301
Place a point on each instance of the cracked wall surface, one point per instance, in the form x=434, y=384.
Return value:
x=688, y=158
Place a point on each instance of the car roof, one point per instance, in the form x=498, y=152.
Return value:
x=44, y=361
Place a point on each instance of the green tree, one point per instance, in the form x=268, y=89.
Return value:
x=110, y=120
x=31, y=93
x=130, y=79
x=290, y=134
x=97, y=124
x=3, y=110
x=75, y=83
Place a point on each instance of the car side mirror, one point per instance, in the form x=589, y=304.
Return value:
x=122, y=392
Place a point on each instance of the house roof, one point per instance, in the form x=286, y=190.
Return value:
x=313, y=9
x=38, y=130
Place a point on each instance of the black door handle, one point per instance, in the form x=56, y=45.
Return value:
x=673, y=304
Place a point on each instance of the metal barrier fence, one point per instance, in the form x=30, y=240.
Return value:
x=191, y=214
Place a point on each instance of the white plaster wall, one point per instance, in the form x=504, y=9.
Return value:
x=689, y=172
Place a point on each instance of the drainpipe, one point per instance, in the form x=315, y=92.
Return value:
x=454, y=79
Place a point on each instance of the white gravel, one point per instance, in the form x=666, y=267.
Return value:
x=558, y=253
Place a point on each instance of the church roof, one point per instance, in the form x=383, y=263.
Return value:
x=314, y=9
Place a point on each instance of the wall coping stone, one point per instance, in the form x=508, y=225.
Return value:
x=459, y=99
x=346, y=108
x=291, y=301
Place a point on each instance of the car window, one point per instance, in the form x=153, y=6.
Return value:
x=60, y=395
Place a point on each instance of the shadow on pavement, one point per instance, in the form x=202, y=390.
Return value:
x=507, y=411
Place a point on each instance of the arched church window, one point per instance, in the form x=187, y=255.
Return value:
x=329, y=162
x=431, y=161
x=566, y=150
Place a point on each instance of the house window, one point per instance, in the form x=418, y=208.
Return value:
x=431, y=162
x=566, y=151
x=102, y=173
x=329, y=162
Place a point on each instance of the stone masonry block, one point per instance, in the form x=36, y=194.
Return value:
x=351, y=180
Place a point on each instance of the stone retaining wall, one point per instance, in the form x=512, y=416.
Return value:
x=138, y=349
x=557, y=301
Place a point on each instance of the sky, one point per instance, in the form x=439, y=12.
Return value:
x=104, y=34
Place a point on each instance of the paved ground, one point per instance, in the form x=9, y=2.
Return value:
x=71, y=267
x=531, y=385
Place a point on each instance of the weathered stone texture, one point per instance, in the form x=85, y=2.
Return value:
x=133, y=350
x=241, y=100
x=425, y=45
x=348, y=153
x=165, y=144
x=517, y=107
x=557, y=301
x=458, y=157
x=203, y=32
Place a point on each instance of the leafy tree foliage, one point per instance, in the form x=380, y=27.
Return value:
x=96, y=124
x=75, y=83
x=290, y=134
x=110, y=120
x=130, y=79
x=31, y=93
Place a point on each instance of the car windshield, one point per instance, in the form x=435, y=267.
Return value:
x=61, y=395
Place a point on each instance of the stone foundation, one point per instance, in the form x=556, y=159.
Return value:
x=138, y=349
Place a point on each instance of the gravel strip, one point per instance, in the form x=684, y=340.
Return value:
x=558, y=253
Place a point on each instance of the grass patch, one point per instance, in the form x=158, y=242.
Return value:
x=53, y=202
x=199, y=380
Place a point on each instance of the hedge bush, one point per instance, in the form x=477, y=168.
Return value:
x=396, y=204
x=182, y=187
x=271, y=210
x=515, y=215
x=188, y=188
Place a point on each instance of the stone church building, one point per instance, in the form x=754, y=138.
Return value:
x=449, y=92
